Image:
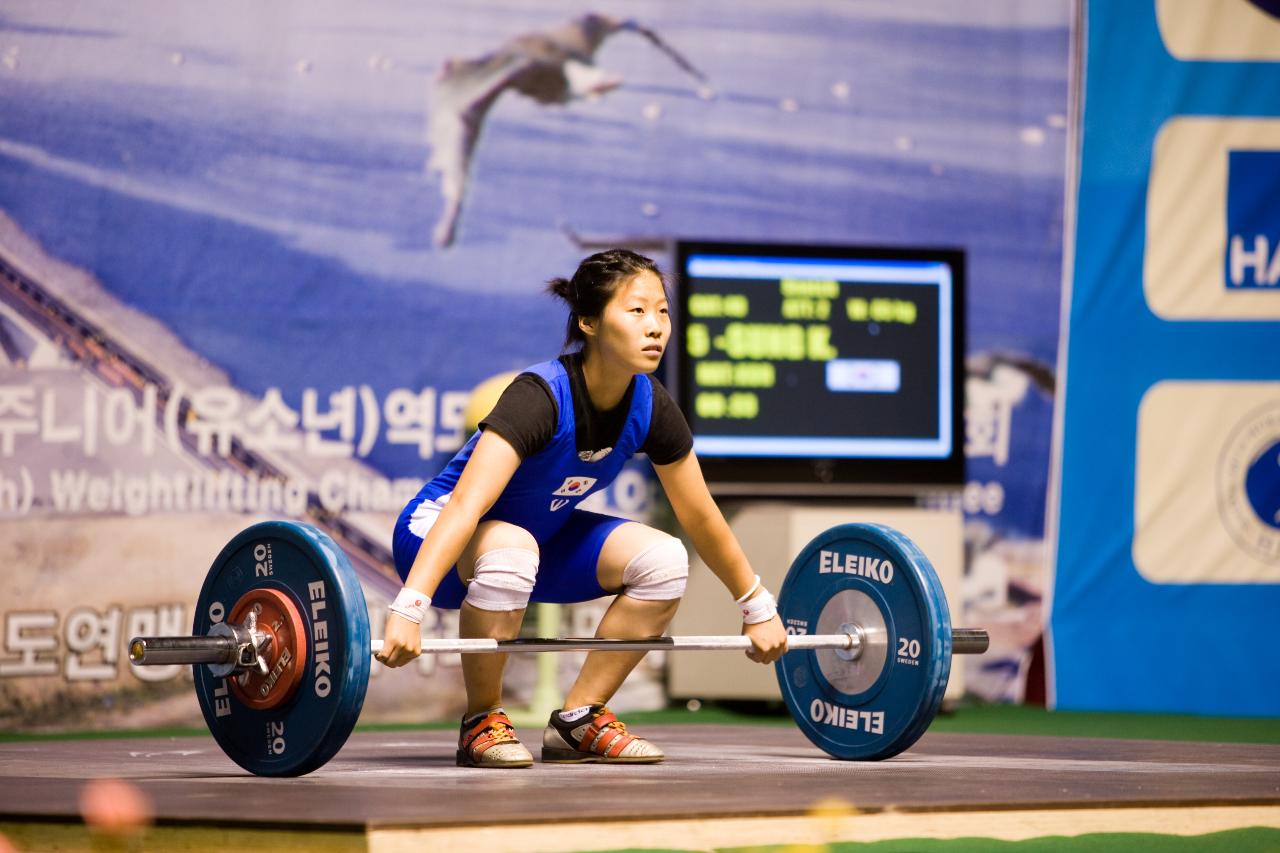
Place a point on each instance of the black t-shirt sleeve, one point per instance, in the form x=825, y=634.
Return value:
x=670, y=438
x=525, y=415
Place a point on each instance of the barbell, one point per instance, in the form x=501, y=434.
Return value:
x=281, y=645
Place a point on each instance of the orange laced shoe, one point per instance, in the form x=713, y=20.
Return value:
x=490, y=741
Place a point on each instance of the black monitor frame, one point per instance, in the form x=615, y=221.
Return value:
x=789, y=476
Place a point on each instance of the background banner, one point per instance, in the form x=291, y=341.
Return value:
x=1168, y=538
x=253, y=267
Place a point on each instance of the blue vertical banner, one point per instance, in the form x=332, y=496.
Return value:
x=1167, y=578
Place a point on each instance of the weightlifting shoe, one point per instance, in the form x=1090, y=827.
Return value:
x=596, y=736
x=489, y=740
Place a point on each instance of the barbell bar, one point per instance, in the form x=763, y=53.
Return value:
x=158, y=651
x=281, y=645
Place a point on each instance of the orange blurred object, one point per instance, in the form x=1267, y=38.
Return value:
x=115, y=807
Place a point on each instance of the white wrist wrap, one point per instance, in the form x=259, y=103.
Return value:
x=762, y=608
x=754, y=586
x=411, y=604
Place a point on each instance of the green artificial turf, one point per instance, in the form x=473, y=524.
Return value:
x=1029, y=720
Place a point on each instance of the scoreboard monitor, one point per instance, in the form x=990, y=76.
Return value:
x=820, y=369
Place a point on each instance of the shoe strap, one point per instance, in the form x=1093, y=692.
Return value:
x=494, y=729
x=606, y=735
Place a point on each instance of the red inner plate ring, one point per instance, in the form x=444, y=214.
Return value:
x=287, y=657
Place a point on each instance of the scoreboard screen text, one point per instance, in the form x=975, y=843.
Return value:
x=817, y=357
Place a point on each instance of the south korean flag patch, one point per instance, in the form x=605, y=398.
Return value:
x=572, y=487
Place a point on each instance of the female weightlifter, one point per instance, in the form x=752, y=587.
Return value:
x=499, y=526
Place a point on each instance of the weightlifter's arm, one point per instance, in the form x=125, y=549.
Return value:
x=714, y=541
x=493, y=462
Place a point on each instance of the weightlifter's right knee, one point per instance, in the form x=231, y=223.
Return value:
x=506, y=569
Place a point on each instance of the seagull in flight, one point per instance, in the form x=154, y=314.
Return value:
x=552, y=67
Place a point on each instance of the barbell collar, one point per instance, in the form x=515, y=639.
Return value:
x=160, y=651
x=225, y=649
x=969, y=641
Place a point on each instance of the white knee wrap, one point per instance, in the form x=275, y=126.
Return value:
x=658, y=573
x=503, y=580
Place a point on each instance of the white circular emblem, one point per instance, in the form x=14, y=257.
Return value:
x=1248, y=483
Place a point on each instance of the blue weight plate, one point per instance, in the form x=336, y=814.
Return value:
x=307, y=730
x=942, y=637
x=878, y=705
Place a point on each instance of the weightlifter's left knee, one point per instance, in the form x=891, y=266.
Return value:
x=658, y=573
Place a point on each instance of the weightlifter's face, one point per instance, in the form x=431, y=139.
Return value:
x=634, y=327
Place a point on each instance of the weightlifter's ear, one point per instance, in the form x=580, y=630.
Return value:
x=588, y=326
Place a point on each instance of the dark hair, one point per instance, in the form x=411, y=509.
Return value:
x=593, y=285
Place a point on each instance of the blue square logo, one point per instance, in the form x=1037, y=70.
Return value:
x=1253, y=220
